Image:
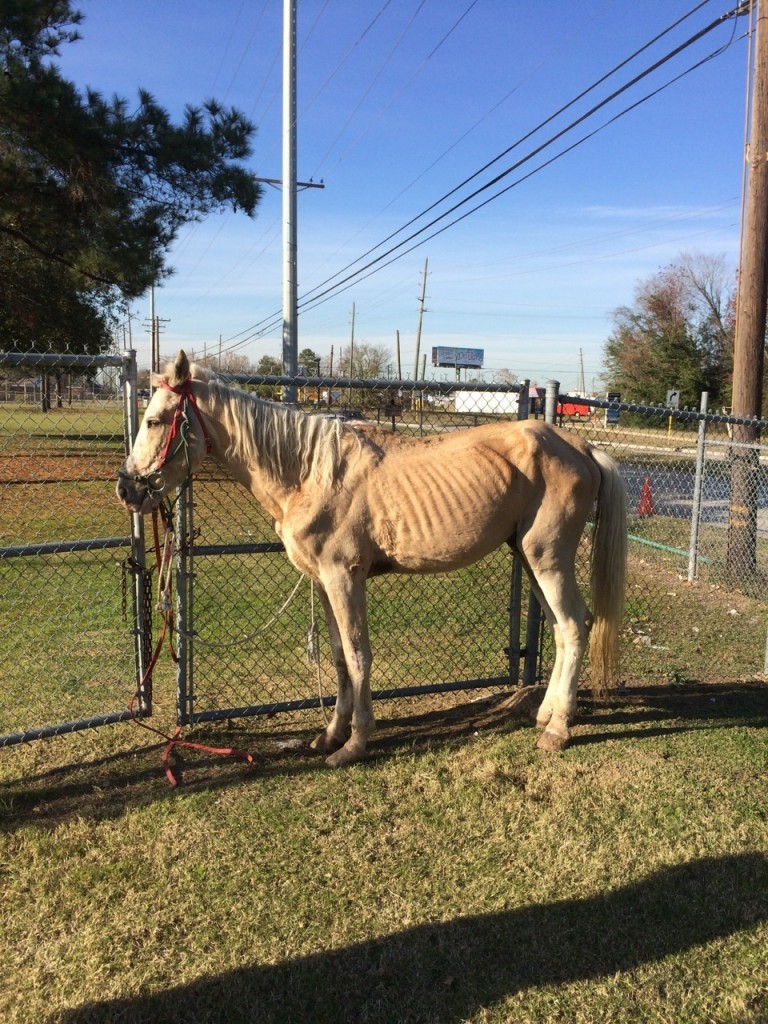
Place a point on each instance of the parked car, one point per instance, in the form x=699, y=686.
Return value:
x=345, y=415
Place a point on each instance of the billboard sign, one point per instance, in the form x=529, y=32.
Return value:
x=461, y=358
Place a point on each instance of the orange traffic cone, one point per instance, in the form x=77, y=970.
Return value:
x=645, y=507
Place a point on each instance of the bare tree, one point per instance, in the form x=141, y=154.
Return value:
x=678, y=333
x=368, y=360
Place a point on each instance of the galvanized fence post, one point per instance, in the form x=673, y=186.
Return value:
x=693, y=548
x=142, y=579
x=514, y=650
x=185, y=604
x=551, y=396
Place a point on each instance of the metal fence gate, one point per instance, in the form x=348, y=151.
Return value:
x=74, y=622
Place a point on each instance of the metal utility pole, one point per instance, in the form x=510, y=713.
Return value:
x=751, y=319
x=421, y=320
x=290, y=277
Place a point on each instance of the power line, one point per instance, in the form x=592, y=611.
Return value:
x=524, y=138
x=319, y=91
x=317, y=295
x=403, y=87
x=366, y=93
x=381, y=261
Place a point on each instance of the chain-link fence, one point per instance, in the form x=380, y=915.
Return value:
x=243, y=653
x=698, y=539
x=68, y=624
x=692, y=611
x=74, y=638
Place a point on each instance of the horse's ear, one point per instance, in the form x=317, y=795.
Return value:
x=180, y=370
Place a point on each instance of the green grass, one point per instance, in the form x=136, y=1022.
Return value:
x=458, y=875
x=105, y=419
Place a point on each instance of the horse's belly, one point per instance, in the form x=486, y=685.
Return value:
x=440, y=546
x=436, y=516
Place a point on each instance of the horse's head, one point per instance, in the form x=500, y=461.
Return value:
x=171, y=442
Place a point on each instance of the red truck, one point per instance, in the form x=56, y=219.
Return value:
x=574, y=410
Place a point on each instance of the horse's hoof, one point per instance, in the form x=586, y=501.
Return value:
x=542, y=721
x=323, y=744
x=552, y=741
x=345, y=756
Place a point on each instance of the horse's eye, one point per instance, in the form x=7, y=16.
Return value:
x=153, y=423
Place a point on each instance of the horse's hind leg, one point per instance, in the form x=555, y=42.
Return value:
x=571, y=630
x=336, y=733
x=544, y=712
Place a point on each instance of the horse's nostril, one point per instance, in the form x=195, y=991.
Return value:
x=123, y=491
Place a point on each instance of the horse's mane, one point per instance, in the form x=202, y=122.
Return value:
x=286, y=443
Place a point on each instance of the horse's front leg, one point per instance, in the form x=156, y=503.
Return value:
x=345, y=592
x=336, y=733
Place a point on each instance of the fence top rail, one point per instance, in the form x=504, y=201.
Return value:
x=64, y=547
x=59, y=360
x=675, y=414
x=446, y=387
x=368, y=383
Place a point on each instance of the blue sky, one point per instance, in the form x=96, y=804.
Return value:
x=400, y=102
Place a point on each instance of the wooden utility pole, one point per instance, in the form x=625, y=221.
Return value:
x=421, y=320
x=154, y=362
x=751, y=320
x=351, y=350
x=352, y=342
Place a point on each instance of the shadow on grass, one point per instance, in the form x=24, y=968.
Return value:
x=643, y=711
x=106, y=786
x=449, y=971
x=685, y=707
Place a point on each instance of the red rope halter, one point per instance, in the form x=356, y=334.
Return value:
x=186, y=395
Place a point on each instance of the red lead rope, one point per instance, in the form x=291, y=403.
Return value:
x=163, y=566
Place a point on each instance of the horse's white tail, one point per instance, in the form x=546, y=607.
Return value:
x=609, y=563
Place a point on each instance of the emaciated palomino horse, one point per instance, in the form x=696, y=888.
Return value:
x=349, y=504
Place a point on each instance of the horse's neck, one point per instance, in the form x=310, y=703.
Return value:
x=271, y=493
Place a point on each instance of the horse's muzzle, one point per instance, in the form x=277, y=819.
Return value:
x=138, y=493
